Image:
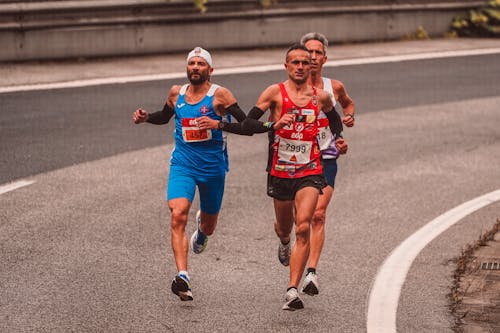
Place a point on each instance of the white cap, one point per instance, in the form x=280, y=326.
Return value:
x=202, y=53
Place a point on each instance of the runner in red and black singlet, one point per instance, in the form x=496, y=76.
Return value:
x=295, y=178
x=295, y=149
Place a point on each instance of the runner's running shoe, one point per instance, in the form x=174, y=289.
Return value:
x=198, y=240
x=182, y=288
x=284, y=253
x=293, y=301
x=310, y=285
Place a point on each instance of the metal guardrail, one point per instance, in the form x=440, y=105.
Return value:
x=22, y=15
x=58, y=29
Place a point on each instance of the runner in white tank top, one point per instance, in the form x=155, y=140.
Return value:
x=330, y=148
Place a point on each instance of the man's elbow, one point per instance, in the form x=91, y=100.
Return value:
x=246, y=127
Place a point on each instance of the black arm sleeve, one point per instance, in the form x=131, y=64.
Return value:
x=236, y=112
x=335, y=122
x=161, y=117
x=255, y=113
x=252, y=125
x=247, y=125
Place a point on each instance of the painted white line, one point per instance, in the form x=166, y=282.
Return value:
x=411, y=57
x=384, y=295
x=242, y=70
x=14, y=185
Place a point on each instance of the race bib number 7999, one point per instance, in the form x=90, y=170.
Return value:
x=294, y=151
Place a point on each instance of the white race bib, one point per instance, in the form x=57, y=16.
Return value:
x=294, y=151
x=324, y=137
x=192, y=133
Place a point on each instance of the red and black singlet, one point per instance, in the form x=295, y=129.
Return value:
x=295, y=148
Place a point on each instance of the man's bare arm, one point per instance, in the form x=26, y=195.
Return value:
x=345, y=101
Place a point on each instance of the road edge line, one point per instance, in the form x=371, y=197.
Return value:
x=14, y=185
x=386, y=289
x=242, y=70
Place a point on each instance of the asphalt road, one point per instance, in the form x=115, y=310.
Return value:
x=87, y=247
x=47, y=130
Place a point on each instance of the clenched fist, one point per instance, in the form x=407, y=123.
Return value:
x=140, y=116
x=341, y=145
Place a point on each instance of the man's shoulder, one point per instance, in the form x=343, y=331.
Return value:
x=275, y=86
x=273, y=89
x=174, y=90
x=221, y=91
x=219, y=88
x=322, y=94
x=336, y=83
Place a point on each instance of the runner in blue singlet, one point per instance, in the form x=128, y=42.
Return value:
x=199, y=156
x=199, y=159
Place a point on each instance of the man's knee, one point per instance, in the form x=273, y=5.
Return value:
x=283, y=229
x=302, y=232
x=319, y=218
x=179, y=217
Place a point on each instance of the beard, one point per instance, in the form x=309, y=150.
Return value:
x=202, y=77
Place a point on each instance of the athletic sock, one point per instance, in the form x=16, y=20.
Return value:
x=291, y=288
x=311, y=270
x=184, y=275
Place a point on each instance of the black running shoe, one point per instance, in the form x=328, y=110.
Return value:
x=182, y=288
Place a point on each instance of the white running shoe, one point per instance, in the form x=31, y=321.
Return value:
x=198, y=242
x=293, y=301
x=310, y=285
x=284, y=253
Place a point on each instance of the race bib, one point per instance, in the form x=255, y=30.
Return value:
x=324, y=134
x=294, y=151
x=191, y=132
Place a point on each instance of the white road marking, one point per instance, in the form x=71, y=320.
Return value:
x=411, y=57
x=242, y=70
x=14, y=185
x=384, y=294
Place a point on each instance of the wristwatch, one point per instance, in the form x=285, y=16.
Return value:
x=220, y=125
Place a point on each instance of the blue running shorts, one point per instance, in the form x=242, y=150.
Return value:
x=330, y=170
x=183, y=185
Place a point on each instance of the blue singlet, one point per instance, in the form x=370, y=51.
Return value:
x=199, y=158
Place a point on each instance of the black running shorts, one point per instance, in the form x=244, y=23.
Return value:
x=284, y=189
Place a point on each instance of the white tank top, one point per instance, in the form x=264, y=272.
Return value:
x=326, y=138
